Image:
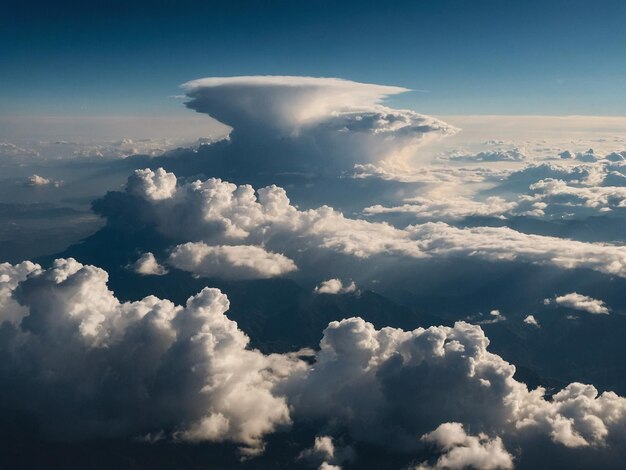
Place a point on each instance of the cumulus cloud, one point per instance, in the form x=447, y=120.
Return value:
x=461, y=450
x=10, y=276
x=221, y=213
x=494, y=317
x=580, y=302
x=531, y=320
x=230, y=262
x=325, y=452
x=36, y=180
x=335, y=286
x=86, y=365
x=391, y=386
x=147, y=264
x=152, y=185
x=503, y=243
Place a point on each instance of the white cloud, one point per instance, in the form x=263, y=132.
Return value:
x=531, y=320
x=494, y=317
x=500, y=155
x=10, y=277
x=461, y=451
x=390, y=386
x=345, y=120
x=325, y=452
x=281, y=101
x=192, y=368
x=335, y=286
x=604, y=198
x=78, y=350
x=148, y=265
x=36, y=180
x=580, y=302
x=217, y=213
x=152, y=185
x=230, y=262
x=448, y=208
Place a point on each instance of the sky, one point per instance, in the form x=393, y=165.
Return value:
x=551, y=57
x=332, y=235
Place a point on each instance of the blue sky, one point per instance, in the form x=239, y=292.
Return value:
x=470, y=57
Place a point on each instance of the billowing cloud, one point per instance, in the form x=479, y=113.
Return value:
x=230, y=262
x=220, y=213
x=324, y=451
x=344, y=120
x=391, y=387
x=147, y=265
x=461, y=451
x=335, y=286
x=152, y=185
x=581, y=302
x=86, y=365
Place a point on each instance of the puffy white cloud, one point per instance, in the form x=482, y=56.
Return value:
x=10, y=277
x=147, y=265
x=36, y=180
x=85, y=364
x=335, y=286
x=461, y=450
x=221, y=213
x=578, y=301
x=531, y=320
x=152, y=185
x=325, y=452
x=390, y=387
x=230, y=262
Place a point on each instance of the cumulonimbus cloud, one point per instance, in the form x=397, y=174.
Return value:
x=318, y=124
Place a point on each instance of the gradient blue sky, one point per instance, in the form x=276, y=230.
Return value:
x=470, y=57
